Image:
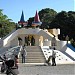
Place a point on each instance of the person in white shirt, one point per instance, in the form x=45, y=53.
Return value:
x=23, y=54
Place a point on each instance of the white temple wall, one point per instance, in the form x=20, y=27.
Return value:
x=40, y=40
x=36, y=40
x=56, y=32
x=43, y=38
x=6, y=45
x=60, y=44
x=47, y=43
x=6, y=41
x=14, y=42
x=45, y=34
x=28, y=31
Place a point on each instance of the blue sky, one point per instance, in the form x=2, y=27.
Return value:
x=13, y=8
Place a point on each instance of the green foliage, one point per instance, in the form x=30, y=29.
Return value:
x=6, y=25
x=31, y=19
x=66, y=22
x=72, y=42
x=50, y=19
x=46, y=16
x=63, y=20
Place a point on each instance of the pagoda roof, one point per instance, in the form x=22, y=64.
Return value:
x=22, y=18
x=22, y=21
x=36, y=21
x=36, y=18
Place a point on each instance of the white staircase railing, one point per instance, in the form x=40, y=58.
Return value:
x=61, y=58
x=10, y=51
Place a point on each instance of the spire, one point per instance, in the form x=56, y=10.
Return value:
x=36, y=18
x=36, y=21
x=22, y=18
x=22, y=22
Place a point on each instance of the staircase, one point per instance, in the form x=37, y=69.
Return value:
x=61, y=56
x=34, y=55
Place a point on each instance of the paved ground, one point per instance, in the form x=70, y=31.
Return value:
x=46, y=70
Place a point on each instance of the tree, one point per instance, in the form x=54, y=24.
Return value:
x=6, y=24
x=66, y=22
x=31, y=19
x=46, y=16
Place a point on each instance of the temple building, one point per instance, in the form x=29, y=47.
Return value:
x=39, y=43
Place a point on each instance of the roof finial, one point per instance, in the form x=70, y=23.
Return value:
x=22, y=17
x=22, y=22
x=36, y=18
x=36, y=21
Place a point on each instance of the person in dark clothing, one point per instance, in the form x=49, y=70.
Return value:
x=53, y=58
x=26, y=41
x=16, y=61
x=32, y=41
x=4, y=56
x=20, y=41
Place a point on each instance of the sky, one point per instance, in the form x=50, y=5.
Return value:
x=13, y=8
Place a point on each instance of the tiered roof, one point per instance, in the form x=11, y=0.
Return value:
x=22, y=21
x=36, y=21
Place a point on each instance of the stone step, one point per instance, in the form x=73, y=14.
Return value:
x=34, y=54
x=32, y=47
x=33, y=50
x=32, y=60
x=29, y=53
x=38, y=55
x=36, y=49
x=33, y=57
